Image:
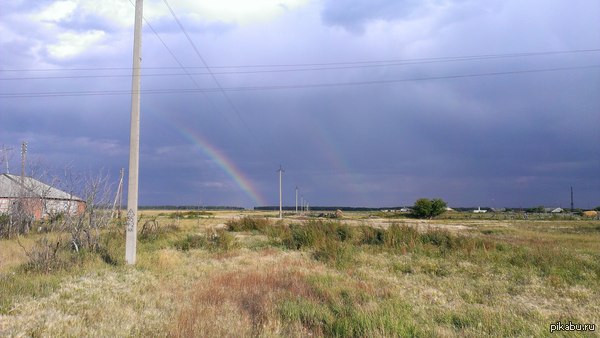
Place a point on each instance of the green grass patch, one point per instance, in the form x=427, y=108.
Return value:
x=345, y=308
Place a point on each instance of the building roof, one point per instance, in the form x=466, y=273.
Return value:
x=11, y=187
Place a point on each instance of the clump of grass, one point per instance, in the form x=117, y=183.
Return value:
x=214, y=240
x=336, y=253
x=316, y=233
x=248, y=224
x=194, y=241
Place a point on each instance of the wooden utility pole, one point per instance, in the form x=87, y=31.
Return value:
x=5, y=153
x=134, y=138
x=116, y=209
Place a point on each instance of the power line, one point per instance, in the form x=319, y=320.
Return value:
x=264, y=71
x=294, y=86
x=348, y=64
x=181, y=66
x=227, y=98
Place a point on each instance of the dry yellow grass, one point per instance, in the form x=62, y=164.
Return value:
x=11, y=255
x=260, y=289
x=125, y=302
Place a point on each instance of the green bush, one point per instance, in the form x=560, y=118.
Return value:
x=425, y=208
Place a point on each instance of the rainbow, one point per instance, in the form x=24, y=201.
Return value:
x=222, y=161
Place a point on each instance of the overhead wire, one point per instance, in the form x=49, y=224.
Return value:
x=190, y=74
x=212, y=75
x=327, y=65
x=181, y=66
x=298, y=86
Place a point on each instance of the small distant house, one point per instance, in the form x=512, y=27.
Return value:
x=553, y=210
x=479, y=210
x=38, y=199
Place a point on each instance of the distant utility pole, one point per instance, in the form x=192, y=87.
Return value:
x=134, y=138
x=572, y=207
x=280, y=171
x=302, y=202
x=296, y=199
x=5, y=153
x=118, y=197
x=23, y=159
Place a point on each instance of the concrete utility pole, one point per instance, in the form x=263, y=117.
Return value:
x=296, y=199
x=134, y=138
x=280, y=171
x=23, y=159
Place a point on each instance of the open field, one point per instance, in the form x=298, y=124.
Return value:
x=238, y=273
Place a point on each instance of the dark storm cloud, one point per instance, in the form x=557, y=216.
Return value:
x=504, y=140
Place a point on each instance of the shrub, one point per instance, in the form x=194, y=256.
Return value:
x=425, y=208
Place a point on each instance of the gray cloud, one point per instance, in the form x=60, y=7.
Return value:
x=505, y=140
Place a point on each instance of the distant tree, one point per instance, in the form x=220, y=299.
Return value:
x=426, y=208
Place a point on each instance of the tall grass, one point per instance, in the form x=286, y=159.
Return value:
x=318, y=278
x=248, y=224
x=214, y=240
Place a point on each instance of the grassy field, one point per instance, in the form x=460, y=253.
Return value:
x=241, y=274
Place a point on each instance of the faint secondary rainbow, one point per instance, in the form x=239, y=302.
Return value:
x=333, y=154
x=222, y=161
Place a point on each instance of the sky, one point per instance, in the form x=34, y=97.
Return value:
x=362, y=102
